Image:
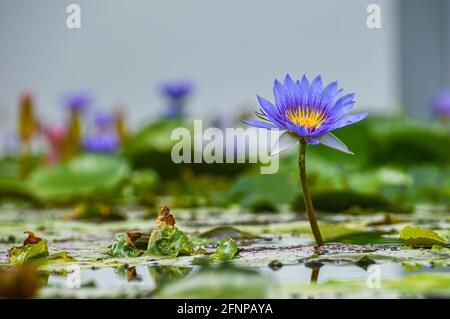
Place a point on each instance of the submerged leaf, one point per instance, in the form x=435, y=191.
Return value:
x=417, y=236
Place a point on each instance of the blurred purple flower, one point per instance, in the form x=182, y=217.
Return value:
x=441, y=104
x=101, y=143
x=78, y=101
x=104, y=119
x=176, y=90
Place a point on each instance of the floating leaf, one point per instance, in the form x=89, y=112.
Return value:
x=417, y=236
x=260, y=192
x=223, y=232
x=226, y=250
x=125, y=246
x=168, y=240
x=34, y=251
x=25, y=254
x=85, y=177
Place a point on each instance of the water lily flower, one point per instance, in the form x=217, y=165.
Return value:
x=441, y=104
x=78, y=101
x=102, y=142
x=104, y=120
x=176, y=92
x=307, y=111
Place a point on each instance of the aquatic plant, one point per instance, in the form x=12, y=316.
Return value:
x=26, y=127
x=101, y=142
x=176, y=92
x=306, y=113
x=441, y=104
x=76, y=103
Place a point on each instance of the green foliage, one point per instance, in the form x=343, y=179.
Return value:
x=168, y=240
x=36, y=254
x=405, y=142
x=226, y=250
x=151, y=147
x=223, y=232
x=417, y=236
x=122, y=248
x=340, y=201
x=260, y=192
x=85, y=177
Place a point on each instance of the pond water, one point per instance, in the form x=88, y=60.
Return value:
x=283, y=258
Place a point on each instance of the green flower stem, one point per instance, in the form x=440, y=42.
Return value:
x=306, y=195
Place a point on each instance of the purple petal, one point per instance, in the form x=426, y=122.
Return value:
x=348, y=120
x=344, y=104
x=269, y=110
x=278, y=93
x=312, y=141
x=286, y=140
x=332, y=141
x=260, y=124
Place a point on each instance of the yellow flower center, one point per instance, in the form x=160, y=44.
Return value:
x=306, y=117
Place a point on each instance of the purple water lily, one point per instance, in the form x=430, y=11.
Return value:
x=78, y=101
x=177, y=89
x=176, y=92
x=103, y=142
x=441, y=104
x=104, y=120
x=307, y=111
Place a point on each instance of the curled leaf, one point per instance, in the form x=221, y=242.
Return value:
x=168, y=240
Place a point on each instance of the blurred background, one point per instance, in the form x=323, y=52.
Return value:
x=231, y=49
x=121, y=82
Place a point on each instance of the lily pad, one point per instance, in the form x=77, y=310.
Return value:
x=86, y=177
x=168, y=240
x=226, y=250
x=417, y=236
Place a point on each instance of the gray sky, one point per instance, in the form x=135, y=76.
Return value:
x=232, y=49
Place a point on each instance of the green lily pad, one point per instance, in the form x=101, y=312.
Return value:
x=226, y=250
x=260, y=192
x=168, y=240
x=124, y=248
x=36, y=253
x=421, y=237
x=223, y=232
x=85, y=177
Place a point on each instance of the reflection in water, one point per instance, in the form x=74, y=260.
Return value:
x=164, y=274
